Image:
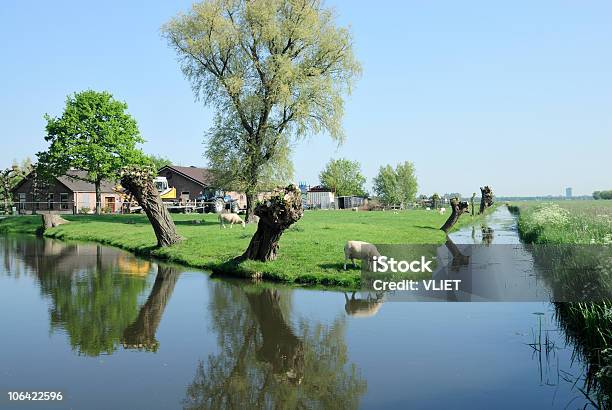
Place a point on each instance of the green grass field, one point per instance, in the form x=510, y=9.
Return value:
x=311, y=251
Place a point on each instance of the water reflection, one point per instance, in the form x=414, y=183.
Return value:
x=140, y=334
x=95, y=292
x=363, y=306
x=104, y=299
x=266, y=362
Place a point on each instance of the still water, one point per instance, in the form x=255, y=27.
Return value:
x=113, y=331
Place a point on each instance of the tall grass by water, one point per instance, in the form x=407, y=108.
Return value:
x=574, y=222
x=588, y=326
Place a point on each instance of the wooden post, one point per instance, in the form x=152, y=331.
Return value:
x=472, y=203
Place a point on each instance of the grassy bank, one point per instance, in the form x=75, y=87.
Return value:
x=575, y=222
x=311, y=251
x=587, y=325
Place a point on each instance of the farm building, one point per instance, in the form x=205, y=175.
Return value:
x=348, y=202
x=192, y=183
x=64, y=194
x=321, y=197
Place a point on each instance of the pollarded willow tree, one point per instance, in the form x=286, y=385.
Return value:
x=276, y=71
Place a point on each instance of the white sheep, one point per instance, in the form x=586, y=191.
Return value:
x=359, y=250
x=428, y=209
x=442, y=211
x=231, y=219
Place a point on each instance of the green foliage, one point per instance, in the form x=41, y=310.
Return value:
x=344, y=177
x=235, y=167
x=274, y=70
x=602, y=194
x=158, y=161
x=94, y=134
x=396, y=186
x=9, y=178
x=435, y=198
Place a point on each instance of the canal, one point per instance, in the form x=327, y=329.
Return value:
x=110, y=330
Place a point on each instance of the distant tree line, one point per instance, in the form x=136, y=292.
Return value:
x=602, y=194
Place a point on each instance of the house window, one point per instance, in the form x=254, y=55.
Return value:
x=22, y=200
x=50, y=200
x=64, y=201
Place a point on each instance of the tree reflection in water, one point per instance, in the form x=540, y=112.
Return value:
x=140, y=334
x=95, y=293
x=265, y=362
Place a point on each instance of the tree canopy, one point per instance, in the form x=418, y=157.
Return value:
x=396, y=186
x=602, y=194
x=230, y=163
x=274, y=70
x=9, y=178
x=94, y=134
x=344, y=177
x=158, y=161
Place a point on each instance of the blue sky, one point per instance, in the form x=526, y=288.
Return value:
x=517, y=95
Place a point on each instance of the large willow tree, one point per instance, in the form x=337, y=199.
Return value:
x=276, y=71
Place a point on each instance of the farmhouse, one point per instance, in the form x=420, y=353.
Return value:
x=189, y=182
x=192, y=183
x=64, y=194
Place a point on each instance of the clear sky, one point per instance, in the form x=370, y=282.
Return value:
x=517, y=94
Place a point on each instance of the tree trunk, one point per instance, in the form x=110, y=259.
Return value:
x=486, y=198
x=276, y=214
x=141, y=333
x=52, y=220
x=458, y=208
x=251, y=198
x=140, y=184
x=98, y=198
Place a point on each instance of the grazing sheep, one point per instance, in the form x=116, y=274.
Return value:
x=428, y=209
x=354, y=209
x=442, y=210
x=231, y=219
x=359, y=250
